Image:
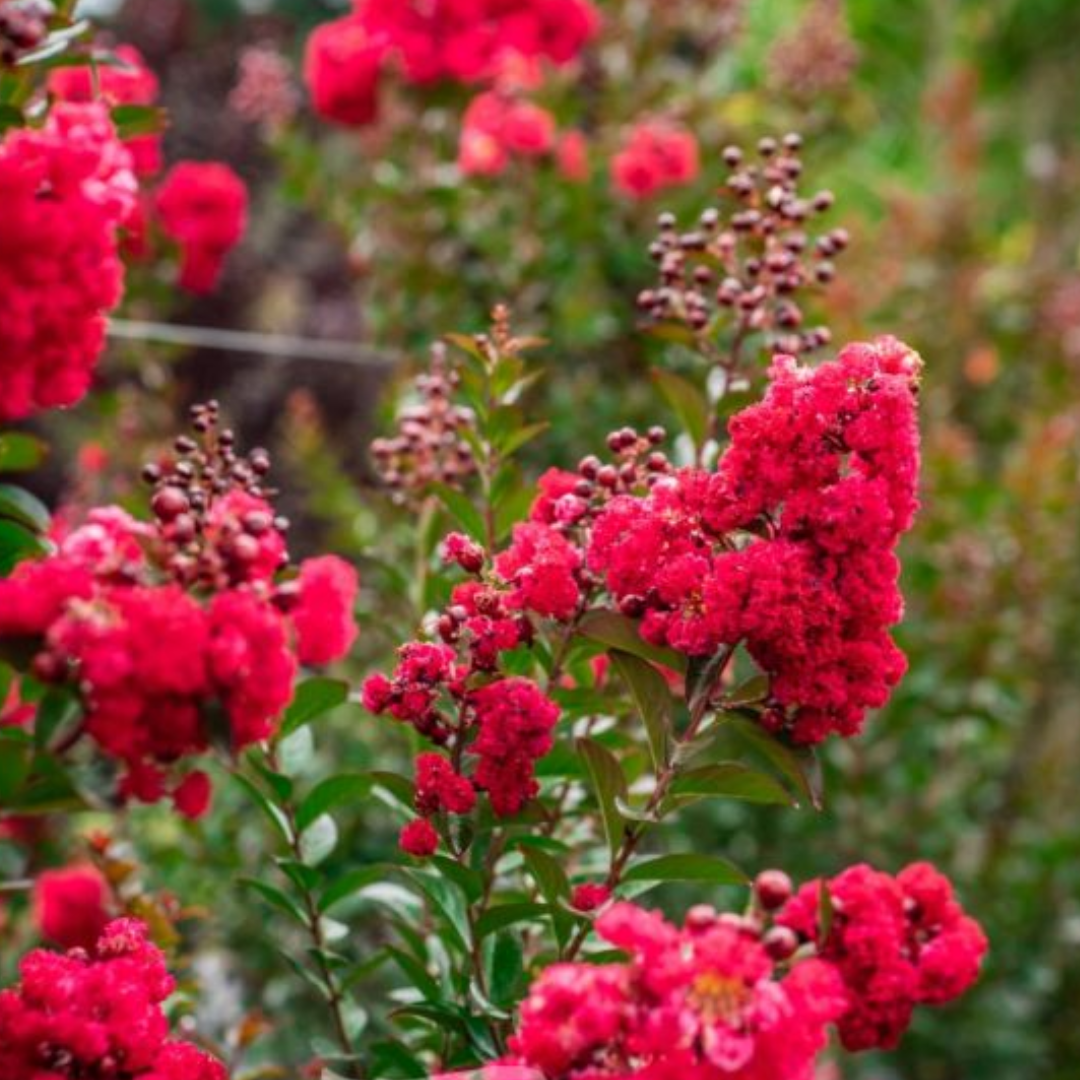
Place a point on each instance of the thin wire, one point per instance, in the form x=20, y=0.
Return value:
x=278, y=346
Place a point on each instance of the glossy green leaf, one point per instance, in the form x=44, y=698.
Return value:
x=505, y=970
x=318, y=840
x=350, y=884
x=653, y=700
x=449, y=902
x=273, y=813
x=506, y=915
x=276, y=899
x=315, y=697
x=729, y=780
x=27, y=510
x=460, y=507
x=20, y=452
x=57, y=713
x=16, y=756
x=686, y=867
x=619, y=632
x=687, y=402
x=331, y=793
x=799, y=766
x=608, y=785
x=16, y=544
x=132, y=120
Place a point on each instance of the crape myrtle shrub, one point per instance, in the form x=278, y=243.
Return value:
x=497, y=736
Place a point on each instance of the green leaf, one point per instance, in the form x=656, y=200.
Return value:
x=519, y=437
x=415, y=971
x=469, y=881
x=16, y=756
x=132, y=120
x=273, y=813
x=16, y=544
x=609, y=785
x=506, y=970
x=728, y=780
x=331, y=793
x=350, y=884
x=314, y=698
x=398, y=787
x=318, y=840
x=449, y=902
x=47, y=790
x=25, y=509
x=548, y=873
x=619, y=632
x=686, y=867
x=57, y=712
x=687, y=401
x=10, y=117
x=799, y=766
x=703, y=676
x=505, y=915
x=20, y=452
x=276, y=899
x=751, y=692
x=652, y=698
x=459, y=506
x=295, y=752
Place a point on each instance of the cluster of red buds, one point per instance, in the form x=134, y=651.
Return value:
x=747, y=267
x=570, y=500
x=772, y=889
x=24, y=25
x=428, y=447
x=637, y=463
x=214, y=520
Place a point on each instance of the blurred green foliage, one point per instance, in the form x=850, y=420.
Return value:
x=953, y=151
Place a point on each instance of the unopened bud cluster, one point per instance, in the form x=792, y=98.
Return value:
x=203, y=545
x=24, y=26
x=748, y=267
x=428, y=448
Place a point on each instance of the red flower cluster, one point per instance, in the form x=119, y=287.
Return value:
x=514, y=721
x=504, y=726
x=203, y=207
x=96, y=1014
x=705, y=1001
x=128, y=81
x=541, y=568
x=656, y=155
x=71, y=906
x=164, y=627
x=497, y=127
x=462, y=40
x=323, y=614
x=66, y=190
x=789, y=545
x=897, y=943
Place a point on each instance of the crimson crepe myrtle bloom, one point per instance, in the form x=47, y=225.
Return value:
x=656, y=155
x=165, y=627
x=96, y=1012
x=897, y=942
x=342, y=64
x=129, y=81
x=704, y=1000
x=67, y=189
x=203, y=207
x=71, y=906
x=789, y=546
